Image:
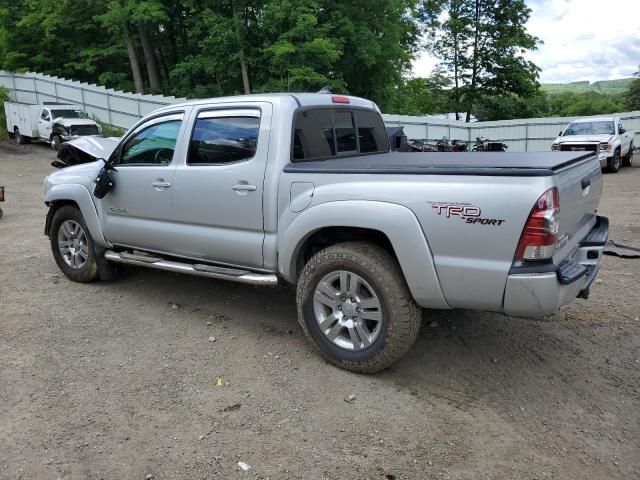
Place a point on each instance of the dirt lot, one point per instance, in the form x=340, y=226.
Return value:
x=112, y=381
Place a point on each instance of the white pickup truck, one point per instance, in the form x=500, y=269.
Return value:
x=614, y=142
x=52, y=123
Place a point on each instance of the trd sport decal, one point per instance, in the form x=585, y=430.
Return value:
x=465, y=211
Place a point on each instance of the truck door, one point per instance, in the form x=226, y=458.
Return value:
x=218, y=188
x=45, y=124
x=137, y=212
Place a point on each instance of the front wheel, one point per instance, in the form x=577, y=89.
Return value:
x=55, y=142
x=614, y=162
x=72, y=246
x=355, y=307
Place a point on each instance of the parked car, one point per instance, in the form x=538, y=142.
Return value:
x=615, y=143
x=50, y=122
x=303, y=189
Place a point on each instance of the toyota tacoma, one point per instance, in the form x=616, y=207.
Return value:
x=303, y=189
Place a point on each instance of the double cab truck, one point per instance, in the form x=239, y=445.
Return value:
x=52, y=123
x=303, y=189
x=607, y=135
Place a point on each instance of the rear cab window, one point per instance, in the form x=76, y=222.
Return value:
x=331, y=132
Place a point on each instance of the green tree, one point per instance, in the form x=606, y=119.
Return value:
x=195, y=49
x=422, y=96
x=482, y=44
x=632, y=96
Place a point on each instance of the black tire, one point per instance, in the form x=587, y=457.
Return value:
x=89, y=271
x=55, y=142
x=614, y=162
x=401, y=316
x=20, y=139
x=627, y=160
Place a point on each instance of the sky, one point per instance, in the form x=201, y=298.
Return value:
x=583, y=40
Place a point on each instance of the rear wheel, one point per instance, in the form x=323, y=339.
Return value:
x=628, y=158
x=72, y=246
x=20, y=139
x=614, y=162
x=356, y=308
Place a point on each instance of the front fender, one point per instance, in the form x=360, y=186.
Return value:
x=398, y=223
x=81, y=196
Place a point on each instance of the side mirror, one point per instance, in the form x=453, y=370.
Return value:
x=621, y=130
x=560, y=133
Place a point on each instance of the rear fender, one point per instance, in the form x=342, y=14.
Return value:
x=79, y=195
x=398, y=223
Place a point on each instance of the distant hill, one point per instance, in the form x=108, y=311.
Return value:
x=614, y=87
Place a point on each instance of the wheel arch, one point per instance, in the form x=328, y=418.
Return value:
x=393, y=227
x=58, y=196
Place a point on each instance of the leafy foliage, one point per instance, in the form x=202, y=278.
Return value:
x=4, y=96
x=632, y=95
x=612, y=87
x=192, y=48
x=482, y=44
x=196, y=49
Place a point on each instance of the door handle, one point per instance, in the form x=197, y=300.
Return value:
x=160, y=185
x=243, y=187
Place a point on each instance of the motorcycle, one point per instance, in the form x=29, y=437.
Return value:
x=443, y=145
x=459, y=145
x=485, y=145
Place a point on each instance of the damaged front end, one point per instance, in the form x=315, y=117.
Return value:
x=84, y=150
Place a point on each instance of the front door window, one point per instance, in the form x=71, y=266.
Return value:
x=153, y=145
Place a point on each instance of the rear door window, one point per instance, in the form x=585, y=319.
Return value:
x=224, y=139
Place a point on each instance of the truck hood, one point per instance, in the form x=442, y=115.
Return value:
x=73, y=122
x=84, y=174
x=603, y=138
x=97, y=147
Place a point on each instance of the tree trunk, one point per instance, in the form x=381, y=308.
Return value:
x=474, y=70
x=133, y=60
x=150, y=59
x=240, y=40
x=456, y=89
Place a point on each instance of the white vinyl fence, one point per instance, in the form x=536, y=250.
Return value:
x=122, y=109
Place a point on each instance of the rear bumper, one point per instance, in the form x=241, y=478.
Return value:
x=543, y=289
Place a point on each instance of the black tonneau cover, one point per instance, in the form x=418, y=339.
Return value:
x=530, y=164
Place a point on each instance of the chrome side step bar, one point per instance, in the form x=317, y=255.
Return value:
x=209, y=271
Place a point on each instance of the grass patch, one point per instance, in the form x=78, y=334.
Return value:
x=4, y=97
x=108, y=130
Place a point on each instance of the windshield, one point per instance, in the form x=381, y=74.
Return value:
x=590, y=128
x=68, y=114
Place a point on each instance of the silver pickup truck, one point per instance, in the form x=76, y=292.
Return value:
x=302, y=189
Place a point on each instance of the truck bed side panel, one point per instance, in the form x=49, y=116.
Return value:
x=472, y=261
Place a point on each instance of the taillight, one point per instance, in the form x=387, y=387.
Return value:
x=340, y=99
x=538, y=238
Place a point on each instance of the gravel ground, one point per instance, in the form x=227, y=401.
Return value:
x=121, y=381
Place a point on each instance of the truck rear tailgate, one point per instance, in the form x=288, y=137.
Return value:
x=580, y=188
